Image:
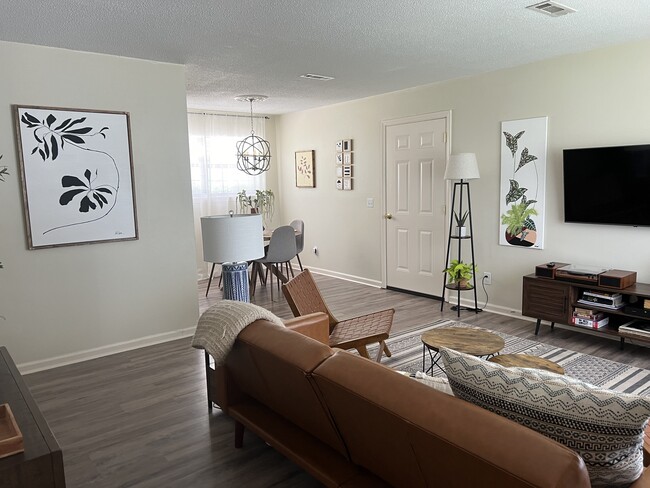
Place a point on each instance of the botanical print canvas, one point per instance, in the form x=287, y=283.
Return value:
x=77, y=175
x=305, y=169
x=523, y=182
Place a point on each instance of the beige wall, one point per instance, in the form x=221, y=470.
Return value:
x=70, y=303
x=595, y=99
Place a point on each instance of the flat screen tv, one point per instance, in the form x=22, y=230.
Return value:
x=607, y=185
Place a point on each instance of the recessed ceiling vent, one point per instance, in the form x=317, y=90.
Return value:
x=311, y=76
x=551, y=8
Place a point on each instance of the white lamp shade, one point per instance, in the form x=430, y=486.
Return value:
x=230, y=239
x=462, y=166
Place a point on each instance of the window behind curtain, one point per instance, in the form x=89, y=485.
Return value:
x=215, y=177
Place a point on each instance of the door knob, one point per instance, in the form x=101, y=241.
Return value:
x=389, y=216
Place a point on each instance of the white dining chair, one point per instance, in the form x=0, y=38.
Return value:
x=282, y=249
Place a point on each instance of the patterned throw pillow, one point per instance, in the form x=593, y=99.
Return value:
x=604, y=427
x=435, y=382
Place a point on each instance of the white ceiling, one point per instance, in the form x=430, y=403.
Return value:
x=234, y=47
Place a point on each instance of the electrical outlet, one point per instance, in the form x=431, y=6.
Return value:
x=487, y=277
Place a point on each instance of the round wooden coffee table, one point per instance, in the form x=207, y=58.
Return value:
x=527, y=361
x=467, y=340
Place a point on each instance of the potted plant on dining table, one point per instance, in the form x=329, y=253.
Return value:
x=263, y=202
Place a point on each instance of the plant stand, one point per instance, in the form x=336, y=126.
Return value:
x=458, y=189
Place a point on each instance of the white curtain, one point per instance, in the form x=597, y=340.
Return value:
x=215, y=177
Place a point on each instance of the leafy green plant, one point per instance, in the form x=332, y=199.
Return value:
x=459, y=271
x=518, y=216
x=263, y=202
x=460, y=220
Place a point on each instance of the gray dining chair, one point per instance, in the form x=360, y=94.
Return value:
x=282, y=249
x=299, y=228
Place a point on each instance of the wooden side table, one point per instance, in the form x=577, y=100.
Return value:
x=41, y=464
x=467, y=340
x=527, y=361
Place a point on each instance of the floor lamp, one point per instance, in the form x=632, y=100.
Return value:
x=232, y=240
x=462, y=167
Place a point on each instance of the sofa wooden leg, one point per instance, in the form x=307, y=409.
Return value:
x=386, y=350
x=239, y=434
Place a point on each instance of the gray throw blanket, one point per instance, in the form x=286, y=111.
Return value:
x=219, y=326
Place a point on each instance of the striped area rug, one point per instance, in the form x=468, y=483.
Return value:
x=407, y=356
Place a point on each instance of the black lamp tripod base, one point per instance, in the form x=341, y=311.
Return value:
x=461, y=185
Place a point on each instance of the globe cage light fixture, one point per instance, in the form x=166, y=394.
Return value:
x=253, y=152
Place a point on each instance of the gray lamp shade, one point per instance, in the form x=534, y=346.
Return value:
x=462, y=166
x=231, y=239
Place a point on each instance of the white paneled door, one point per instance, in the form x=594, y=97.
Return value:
x=416, y=157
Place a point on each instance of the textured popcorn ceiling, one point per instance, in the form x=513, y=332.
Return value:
x=234, y=47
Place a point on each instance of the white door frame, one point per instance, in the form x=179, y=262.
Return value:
x=444, y=114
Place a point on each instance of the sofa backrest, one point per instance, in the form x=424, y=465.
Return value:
x=411, y=435
x=273, y=365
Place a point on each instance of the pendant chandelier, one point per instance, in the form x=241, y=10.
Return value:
x=253, y=152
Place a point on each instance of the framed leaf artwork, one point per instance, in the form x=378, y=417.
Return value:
x=305, y=171
x=76, y=167
x=523, y=182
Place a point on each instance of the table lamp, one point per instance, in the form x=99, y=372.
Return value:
x=232, y=240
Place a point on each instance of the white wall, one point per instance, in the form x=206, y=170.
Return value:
x=69, y=303
x=598, y=98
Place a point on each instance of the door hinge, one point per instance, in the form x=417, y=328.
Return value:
x=444, y=137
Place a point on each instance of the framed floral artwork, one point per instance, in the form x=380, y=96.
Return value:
x=77, y=175
x=305, y=171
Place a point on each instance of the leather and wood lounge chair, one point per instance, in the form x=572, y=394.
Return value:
x=304, y=298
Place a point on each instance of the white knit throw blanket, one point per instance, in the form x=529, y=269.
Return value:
x=219, y=326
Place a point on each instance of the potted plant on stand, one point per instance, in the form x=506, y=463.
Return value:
x=460, y=224
x=460, y=273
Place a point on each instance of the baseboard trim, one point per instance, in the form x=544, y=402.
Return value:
x=498, y=309
x=97, y=352
x=343, y=276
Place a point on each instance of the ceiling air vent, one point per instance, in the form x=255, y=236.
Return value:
x=311, y=76
x=551, y=8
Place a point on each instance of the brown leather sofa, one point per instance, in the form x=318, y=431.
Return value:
x=352, y=422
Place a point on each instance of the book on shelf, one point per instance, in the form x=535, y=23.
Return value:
x=602, y=305
x=589, y=314
x=590, y=324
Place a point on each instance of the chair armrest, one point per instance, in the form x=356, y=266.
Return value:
x=315, y=325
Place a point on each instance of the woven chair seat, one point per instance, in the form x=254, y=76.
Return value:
x=366, y=329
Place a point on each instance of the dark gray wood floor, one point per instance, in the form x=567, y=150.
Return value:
x=140, y=418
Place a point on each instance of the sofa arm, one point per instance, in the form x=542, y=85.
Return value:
x=315, y=325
